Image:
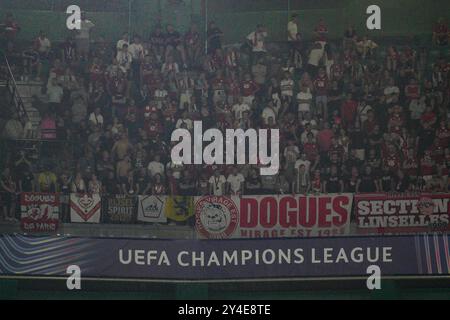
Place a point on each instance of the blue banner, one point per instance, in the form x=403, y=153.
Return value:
x=224, y=259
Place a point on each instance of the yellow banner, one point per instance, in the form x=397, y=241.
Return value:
x=179, y=208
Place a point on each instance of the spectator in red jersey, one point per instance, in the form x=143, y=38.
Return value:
x=193, y=46
x=321, y=30
x=443, y=134
x=412, y=90
x=9, y=29
x=324, y=138
x=248, y=89
x=441, y=33
x=427, y=166
x=321, y=91
x=348, y=111
x=410, y=164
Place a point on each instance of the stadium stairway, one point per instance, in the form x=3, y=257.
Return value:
x=26, y=90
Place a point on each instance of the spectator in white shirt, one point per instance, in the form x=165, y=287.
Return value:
x=13, y=129
x=308, y=129
x=124, y=58
x=184, y=122
x=304, y=100
x=416, y=108
x=137, y=53
x=257, y=42
x=292, y=29
x=217, y=183
x=287, y=86
x=55, y=94
x=239, y=108
x=315, y=55
x=170, y=67
x=42, y=45
x=303, y=161
x=83, y=36
x=96, y=118
x=155, y=167
x=267, y=113
x=235, y=182
x=122, y=41
x=257, y=39
x=391, y=92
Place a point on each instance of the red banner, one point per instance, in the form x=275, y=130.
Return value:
x=273, y=216
x=39, y=212
x=403, y=213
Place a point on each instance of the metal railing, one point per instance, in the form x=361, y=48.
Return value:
x=11, y=85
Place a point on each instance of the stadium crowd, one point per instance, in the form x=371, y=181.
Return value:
x=354, y=115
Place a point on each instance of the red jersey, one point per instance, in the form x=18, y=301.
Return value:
x=233, y=88
x=153, y=128
x=316, y=184
x=249, y=88
x=336, y=151
x=348, y=110
x=392, y=161
x=427, y=166
x=218, y=84
x=437, y=154
x=411, y=166
x=311, y=151
x=413, y=91
x=337, y=71
x=428, y=118
x=443, y=134
x=96, y=73
x=192, y=38
x=321, y=85
x=395, y=123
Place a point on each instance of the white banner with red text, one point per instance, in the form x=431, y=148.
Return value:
x=273, y=216
x=402, y=213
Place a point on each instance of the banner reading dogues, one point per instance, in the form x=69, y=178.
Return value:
x=39, y=212
x=85, y=208
x=121, y=209
x=219, y=217
x=385, y=213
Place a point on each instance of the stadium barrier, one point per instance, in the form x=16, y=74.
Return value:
x=246, y=216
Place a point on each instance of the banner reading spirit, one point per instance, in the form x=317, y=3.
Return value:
x=39, y=212
x=85, y=208
x=121, y=209
x=219, y=217
x=384, y=213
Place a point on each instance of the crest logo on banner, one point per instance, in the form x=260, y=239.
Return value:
x=216, y=217
x=39, y=212
x=85, y=208
x=179, y=208
x=151, y=209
